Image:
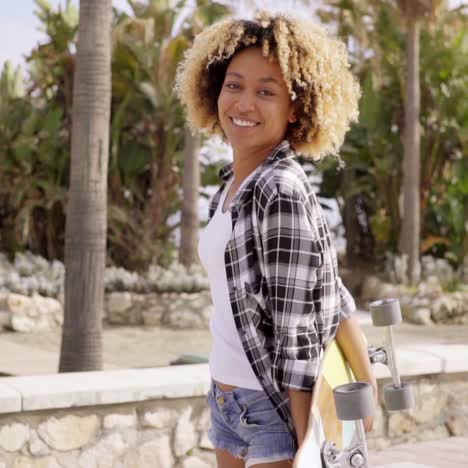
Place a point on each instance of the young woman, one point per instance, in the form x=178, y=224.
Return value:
x=272, y=87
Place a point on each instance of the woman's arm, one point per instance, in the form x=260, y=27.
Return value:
x=300, y=409
x=291, y=262
x=352, y=342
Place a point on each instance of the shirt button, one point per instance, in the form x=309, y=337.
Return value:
x=220, y=400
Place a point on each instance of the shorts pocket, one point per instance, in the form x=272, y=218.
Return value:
x=260, y=413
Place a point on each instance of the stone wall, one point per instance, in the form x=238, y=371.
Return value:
x=177, y=310
x=174, y=310
x=159, y=419
x=425, y=304
x=151, y=434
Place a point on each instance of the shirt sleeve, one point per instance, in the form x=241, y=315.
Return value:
x=292, y=259
x=348, y=306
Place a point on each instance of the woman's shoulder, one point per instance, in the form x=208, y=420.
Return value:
x=285, y=177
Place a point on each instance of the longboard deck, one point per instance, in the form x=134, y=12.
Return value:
x=323, y=422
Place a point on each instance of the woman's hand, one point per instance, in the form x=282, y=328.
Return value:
x=369, y=420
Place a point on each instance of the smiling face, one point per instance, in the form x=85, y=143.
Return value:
x=254, y=106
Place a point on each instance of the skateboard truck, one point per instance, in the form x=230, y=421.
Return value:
x=398, y=396
x=353, y=402
x=333, y=458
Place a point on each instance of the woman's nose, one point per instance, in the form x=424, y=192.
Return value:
x=245, y=102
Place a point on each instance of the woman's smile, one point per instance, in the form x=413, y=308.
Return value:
x=244, y=123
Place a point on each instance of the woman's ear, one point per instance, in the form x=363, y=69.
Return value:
x=292, y=116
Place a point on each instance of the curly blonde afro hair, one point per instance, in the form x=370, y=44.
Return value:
x=315, y=69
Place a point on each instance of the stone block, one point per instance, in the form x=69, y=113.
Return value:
x=400, y=424
x=204, y=421
x=70, y=432
x=432, y=433
x=154, y=454
x=21, y=305
x=130, y=436
x=417, y=315
x=183, y=319
x=185, y=436
x=13, y=437
x=119, y=421
x=160, y=419
x=458, y=426
x=152, y=317
x=118, y=302
x=118, y=306
x=47, y=305
x=22, y=323
x=104, y=453
x=430, y=403
x=36, y=446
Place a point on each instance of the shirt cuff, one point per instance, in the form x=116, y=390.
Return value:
x=295, y=374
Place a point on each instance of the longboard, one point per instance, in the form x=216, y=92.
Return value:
x=324, y=424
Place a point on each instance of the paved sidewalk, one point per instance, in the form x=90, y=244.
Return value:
x=137, y=347
x=446, y=453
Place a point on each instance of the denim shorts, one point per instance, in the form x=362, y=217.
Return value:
x=245, y=423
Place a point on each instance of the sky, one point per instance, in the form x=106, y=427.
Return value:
x=19, y=27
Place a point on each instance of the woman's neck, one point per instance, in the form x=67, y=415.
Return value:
x=246, y=161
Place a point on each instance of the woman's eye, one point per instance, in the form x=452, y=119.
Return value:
x=265, y=92
x=231, y=86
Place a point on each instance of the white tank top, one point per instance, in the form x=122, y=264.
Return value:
x=228, y=363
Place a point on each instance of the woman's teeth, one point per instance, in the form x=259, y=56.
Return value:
x=244, y=123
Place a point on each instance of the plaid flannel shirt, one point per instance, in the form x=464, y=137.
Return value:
x=285, y=293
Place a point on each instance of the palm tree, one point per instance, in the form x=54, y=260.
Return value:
x=86, y=224
x=413, y=12
x=190, y=188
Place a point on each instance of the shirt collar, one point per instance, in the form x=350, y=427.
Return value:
x=282, y=151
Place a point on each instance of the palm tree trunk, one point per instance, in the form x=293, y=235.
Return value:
x=86, y=224
x=190, y=185
x=410, y=231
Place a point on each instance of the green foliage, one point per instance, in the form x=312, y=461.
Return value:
x=371, y=180
x=146, y=136
x=148, y=127
x=34, y=145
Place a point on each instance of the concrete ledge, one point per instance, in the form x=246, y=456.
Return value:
x=108, y=387
x=132, y=385
x=10, y=399
x=428, y=359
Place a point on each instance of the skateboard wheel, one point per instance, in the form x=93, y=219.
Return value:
x=354, y=401
x=399, y=398
x=357, y=460
x=385, y=312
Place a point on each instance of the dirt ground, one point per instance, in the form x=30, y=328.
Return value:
x=138, y=347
